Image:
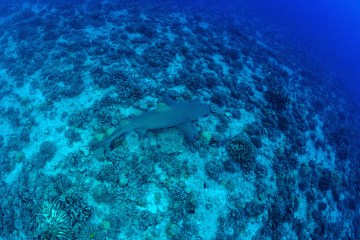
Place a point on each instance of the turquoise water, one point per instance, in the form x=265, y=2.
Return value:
x=170, y=120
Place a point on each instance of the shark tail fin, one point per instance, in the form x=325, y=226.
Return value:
x=108, y=143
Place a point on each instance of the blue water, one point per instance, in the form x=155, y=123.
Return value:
x=179, y=119
x=328, y=30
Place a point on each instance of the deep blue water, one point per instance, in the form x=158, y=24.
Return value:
x=327, y=29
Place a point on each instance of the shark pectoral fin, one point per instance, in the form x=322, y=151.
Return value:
x=188, y=130
x=141, y=131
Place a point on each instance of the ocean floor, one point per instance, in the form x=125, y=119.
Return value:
x=276, y=157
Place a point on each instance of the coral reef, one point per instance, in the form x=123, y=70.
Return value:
x=275, y=158
x=243, y=152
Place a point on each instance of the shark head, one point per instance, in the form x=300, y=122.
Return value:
x=198, y=110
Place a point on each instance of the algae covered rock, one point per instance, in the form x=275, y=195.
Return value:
x=205, y=137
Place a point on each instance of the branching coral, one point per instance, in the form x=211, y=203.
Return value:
x=53, y=222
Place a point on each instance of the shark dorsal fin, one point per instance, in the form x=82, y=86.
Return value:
x=162, y=107
x=168, y=100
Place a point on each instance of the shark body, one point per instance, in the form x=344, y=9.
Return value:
x=170, y=114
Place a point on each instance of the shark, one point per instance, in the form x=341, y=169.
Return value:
x=167, y=114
